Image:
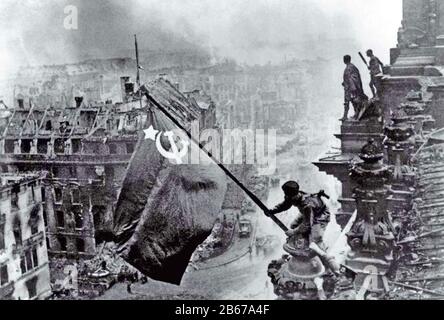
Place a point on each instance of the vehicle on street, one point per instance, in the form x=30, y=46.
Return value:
x=245, y=228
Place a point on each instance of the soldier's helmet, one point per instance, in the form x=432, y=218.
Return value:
x=291, y=188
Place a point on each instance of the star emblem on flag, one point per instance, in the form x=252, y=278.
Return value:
x=151, y=133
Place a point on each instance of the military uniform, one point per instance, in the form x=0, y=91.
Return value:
x=352, y=83
x=304, y=244
x=353, y=89
x=314, y=215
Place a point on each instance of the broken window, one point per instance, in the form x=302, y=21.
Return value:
x=42, y=146
x=45, y=214
x=98, y=215
x=4, y=276
x=76, y=145
x=34, y=228
x=9, y=146
x=25, y=146
x=80, y=245
x=14, y=201
x=15, y=197
x=64, y=127
x=2, y=232
x=60, y=218
x=112, y=148
x=129, y=147
x=17, y=230
x=35, y=258
x=58, y=195
x=33, y=192
x=34, y=219
x=73, y=172
x=55, y=172
x=28, y=257
x=59, y=146
x=77, y=211
x=29, y=260
x=75, y=194
x=62, y=241
x=48, y=125
x=110, y=173
x=23, y=264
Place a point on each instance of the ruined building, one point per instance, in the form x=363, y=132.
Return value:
x=85, y=149
x=256, y=96
x=24, y=269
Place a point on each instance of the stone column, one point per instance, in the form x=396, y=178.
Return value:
x=371, y=238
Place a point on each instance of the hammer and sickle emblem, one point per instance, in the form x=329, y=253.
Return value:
x=175, y=153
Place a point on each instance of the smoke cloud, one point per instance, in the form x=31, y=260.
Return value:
x=252, y=31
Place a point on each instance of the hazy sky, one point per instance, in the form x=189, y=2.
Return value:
x=253, y=31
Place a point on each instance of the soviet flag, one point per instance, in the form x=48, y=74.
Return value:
x=165, y=209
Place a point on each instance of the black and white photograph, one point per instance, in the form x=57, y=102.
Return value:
x=247, y=152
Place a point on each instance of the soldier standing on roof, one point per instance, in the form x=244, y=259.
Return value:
x=353, y=89
x=375, y=67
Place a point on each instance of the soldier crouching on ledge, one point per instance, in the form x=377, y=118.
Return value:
x=311, y=223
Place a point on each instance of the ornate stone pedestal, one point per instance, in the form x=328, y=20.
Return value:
x=400, y=146
x=371, y=238
x=297, y=276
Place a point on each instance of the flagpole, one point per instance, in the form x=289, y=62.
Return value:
x=138, y=68
x=137, y=61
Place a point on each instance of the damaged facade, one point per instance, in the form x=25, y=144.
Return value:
x=24, y=268
x=85, y=148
